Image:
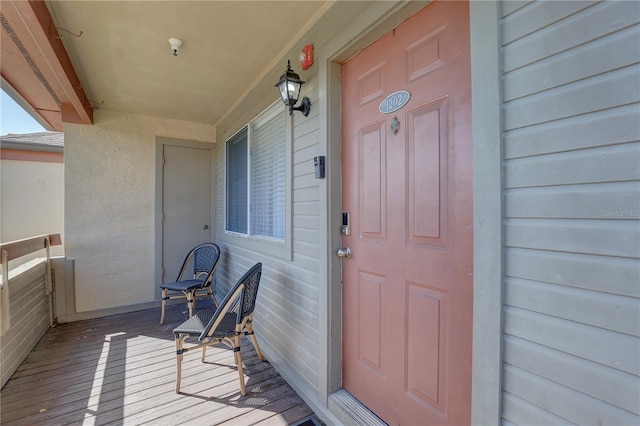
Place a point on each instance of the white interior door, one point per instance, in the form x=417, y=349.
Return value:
x=186, y=196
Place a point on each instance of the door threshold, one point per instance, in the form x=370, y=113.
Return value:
x=343, y=404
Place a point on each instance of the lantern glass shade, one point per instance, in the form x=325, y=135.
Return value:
x=289, y=86
x=289, y=92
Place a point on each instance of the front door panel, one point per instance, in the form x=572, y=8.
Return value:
x=186, y=204
x=407, y=294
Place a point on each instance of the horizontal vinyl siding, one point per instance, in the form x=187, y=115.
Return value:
x=571, y=144
x=287, y=313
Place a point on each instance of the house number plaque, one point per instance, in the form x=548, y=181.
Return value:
x=394, y=102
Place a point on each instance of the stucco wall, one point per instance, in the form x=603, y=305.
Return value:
x=110, y=204
x=32, y=197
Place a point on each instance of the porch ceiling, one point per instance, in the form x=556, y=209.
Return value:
x=123, y=59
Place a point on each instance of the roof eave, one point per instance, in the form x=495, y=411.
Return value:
x=36, y=66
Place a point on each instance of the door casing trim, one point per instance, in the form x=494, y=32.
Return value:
x=487, y=184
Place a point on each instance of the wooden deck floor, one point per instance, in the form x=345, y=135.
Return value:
x=121, y=370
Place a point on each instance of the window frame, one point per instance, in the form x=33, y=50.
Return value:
x=267, y=245
x=226, y=186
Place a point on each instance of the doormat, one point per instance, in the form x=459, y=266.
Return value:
x=309, y=421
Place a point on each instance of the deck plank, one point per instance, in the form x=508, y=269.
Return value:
x=121, y=370
x=270, y=414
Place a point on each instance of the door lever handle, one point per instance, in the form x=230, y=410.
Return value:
x=344, y=252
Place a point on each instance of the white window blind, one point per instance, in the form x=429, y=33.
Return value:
x=268, y=175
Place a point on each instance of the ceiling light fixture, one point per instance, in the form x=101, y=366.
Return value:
x=175, y=45
x=289, y=86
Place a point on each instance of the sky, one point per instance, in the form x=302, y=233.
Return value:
x=14, y=119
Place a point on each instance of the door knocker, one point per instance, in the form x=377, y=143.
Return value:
x=394, y=125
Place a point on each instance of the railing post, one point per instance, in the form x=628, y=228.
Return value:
x=47, y=243
x=5, y=302
x=49, y=282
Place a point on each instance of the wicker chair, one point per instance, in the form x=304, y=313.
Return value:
x=227, y=324
x=204, y=258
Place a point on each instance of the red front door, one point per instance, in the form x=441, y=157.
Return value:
x=407, y=294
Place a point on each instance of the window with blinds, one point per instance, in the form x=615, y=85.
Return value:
x=256, y=189
x=237, y=182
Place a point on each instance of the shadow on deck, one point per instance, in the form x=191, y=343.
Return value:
x=121, y=370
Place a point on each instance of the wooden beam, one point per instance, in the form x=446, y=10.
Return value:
x=31, y=24
x=20, y=248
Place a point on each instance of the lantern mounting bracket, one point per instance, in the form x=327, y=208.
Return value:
x=304, y=108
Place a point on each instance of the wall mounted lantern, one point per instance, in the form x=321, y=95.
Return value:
x=289, y=86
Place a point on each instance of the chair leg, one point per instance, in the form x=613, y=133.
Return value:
x=254, y=340
x=179, y=354
x=213, y=296
x=238, y=357
x=204, y=353
x=191, y=302
x=164, y=303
